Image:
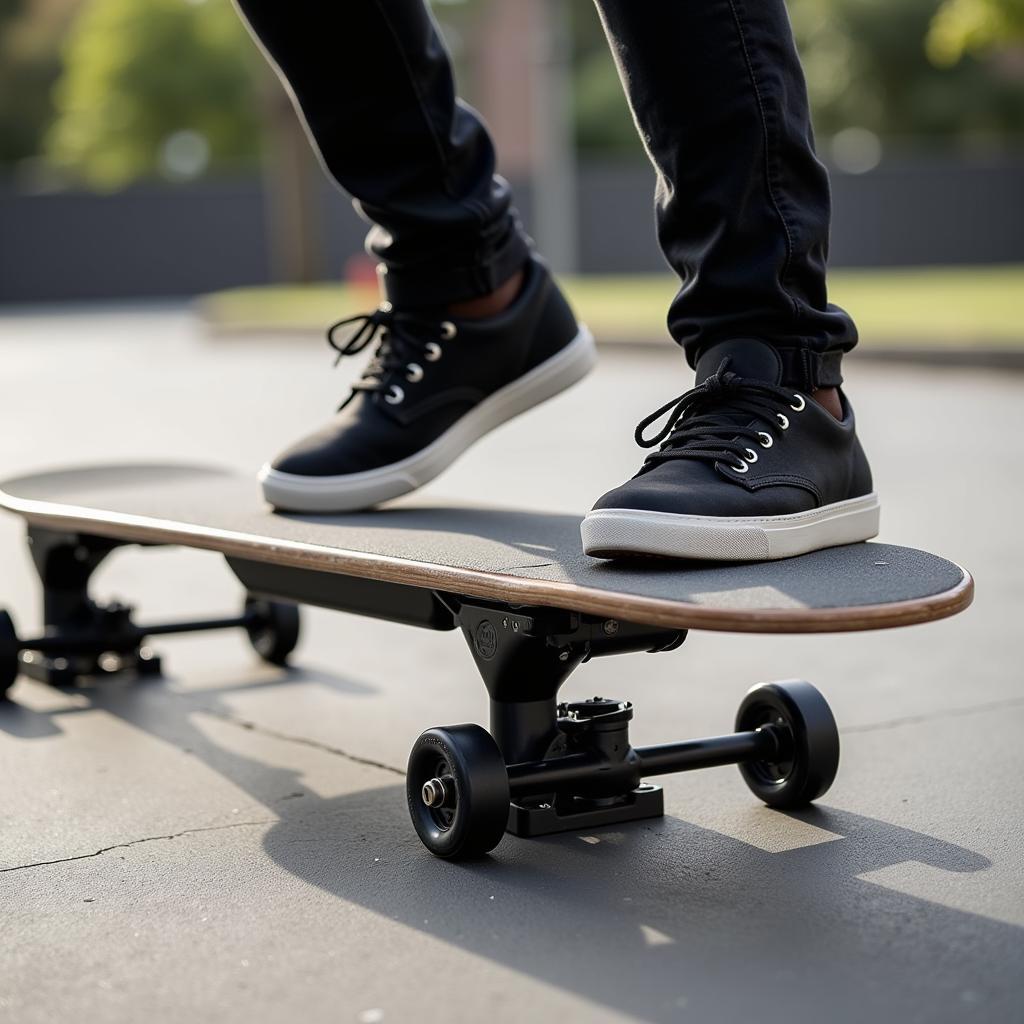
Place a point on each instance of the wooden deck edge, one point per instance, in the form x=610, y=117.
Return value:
x=491, y=585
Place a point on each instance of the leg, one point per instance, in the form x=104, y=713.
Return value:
x=475, y=331
x=761, y=459
x=375, y=86
x=743, y=203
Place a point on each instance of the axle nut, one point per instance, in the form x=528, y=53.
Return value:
x=433, y=792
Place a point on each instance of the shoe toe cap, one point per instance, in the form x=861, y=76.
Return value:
x=702, y=492
x=335, y=450
x=683, y=487
x=310, y=457
x=651, y=495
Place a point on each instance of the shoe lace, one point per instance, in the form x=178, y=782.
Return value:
x=403, y=339
x=711, y=422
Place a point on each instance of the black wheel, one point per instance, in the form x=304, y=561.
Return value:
x=273, y=628
x=457, y=789
x=809, y=743
x=10, y=664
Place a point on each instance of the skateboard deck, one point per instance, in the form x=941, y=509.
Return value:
x=509, y=556
x=531, y=606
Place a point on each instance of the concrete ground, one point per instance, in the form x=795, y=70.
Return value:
x=230, y=843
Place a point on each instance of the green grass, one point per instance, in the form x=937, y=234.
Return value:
x=947, y=306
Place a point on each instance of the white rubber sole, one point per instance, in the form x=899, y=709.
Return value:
x=613, y=532
x=363, y=490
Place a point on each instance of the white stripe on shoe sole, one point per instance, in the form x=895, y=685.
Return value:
x=354, y=491
x=622, y=531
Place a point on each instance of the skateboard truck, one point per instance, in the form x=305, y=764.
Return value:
x=547, y=767
x=85, y=640
x=596, y=781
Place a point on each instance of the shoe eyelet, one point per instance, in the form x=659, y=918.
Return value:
x=783, y=420
x=448, y=330
x=801, y=406
x=741, y=468
x=394, y=395
x=751, y=456
x=766, y=439
x=414, y=373
x=432, y=351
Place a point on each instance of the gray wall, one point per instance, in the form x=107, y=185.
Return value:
x=155, y=241
x=904, y=213
x=143, y=242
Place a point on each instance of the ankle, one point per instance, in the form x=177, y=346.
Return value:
x=828, y=399
x=489, y=305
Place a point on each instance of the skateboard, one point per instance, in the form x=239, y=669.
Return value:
x=530, y=604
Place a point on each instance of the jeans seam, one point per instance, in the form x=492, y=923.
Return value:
x=769, y=177
x=423, y=107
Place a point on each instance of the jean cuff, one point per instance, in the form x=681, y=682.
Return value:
x=808, y=370
x=431, y=285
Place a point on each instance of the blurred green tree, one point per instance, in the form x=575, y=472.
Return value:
x=976, y=26
x=165, y=87
x=603, y=121
x=867, y=66
x=155, y=87
x=30, y=34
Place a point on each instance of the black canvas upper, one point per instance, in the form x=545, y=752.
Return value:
x=738, y=409
x=455, y=364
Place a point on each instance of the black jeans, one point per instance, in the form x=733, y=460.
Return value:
x=743, y=204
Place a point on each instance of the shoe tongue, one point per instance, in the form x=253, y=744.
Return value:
x=748, y=357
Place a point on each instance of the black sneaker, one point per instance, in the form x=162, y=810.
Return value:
x=435, y=384
x=746, y=470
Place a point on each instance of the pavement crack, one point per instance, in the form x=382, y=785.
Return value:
x=262, y=730
x=975, y=709
x=137, y=842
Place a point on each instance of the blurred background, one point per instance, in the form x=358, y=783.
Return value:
x=147, y=152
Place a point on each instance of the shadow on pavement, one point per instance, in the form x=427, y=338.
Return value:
x=659, y=920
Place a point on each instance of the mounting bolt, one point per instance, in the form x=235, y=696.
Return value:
x=433, y=792
x=610, y=627
x=109, y=661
